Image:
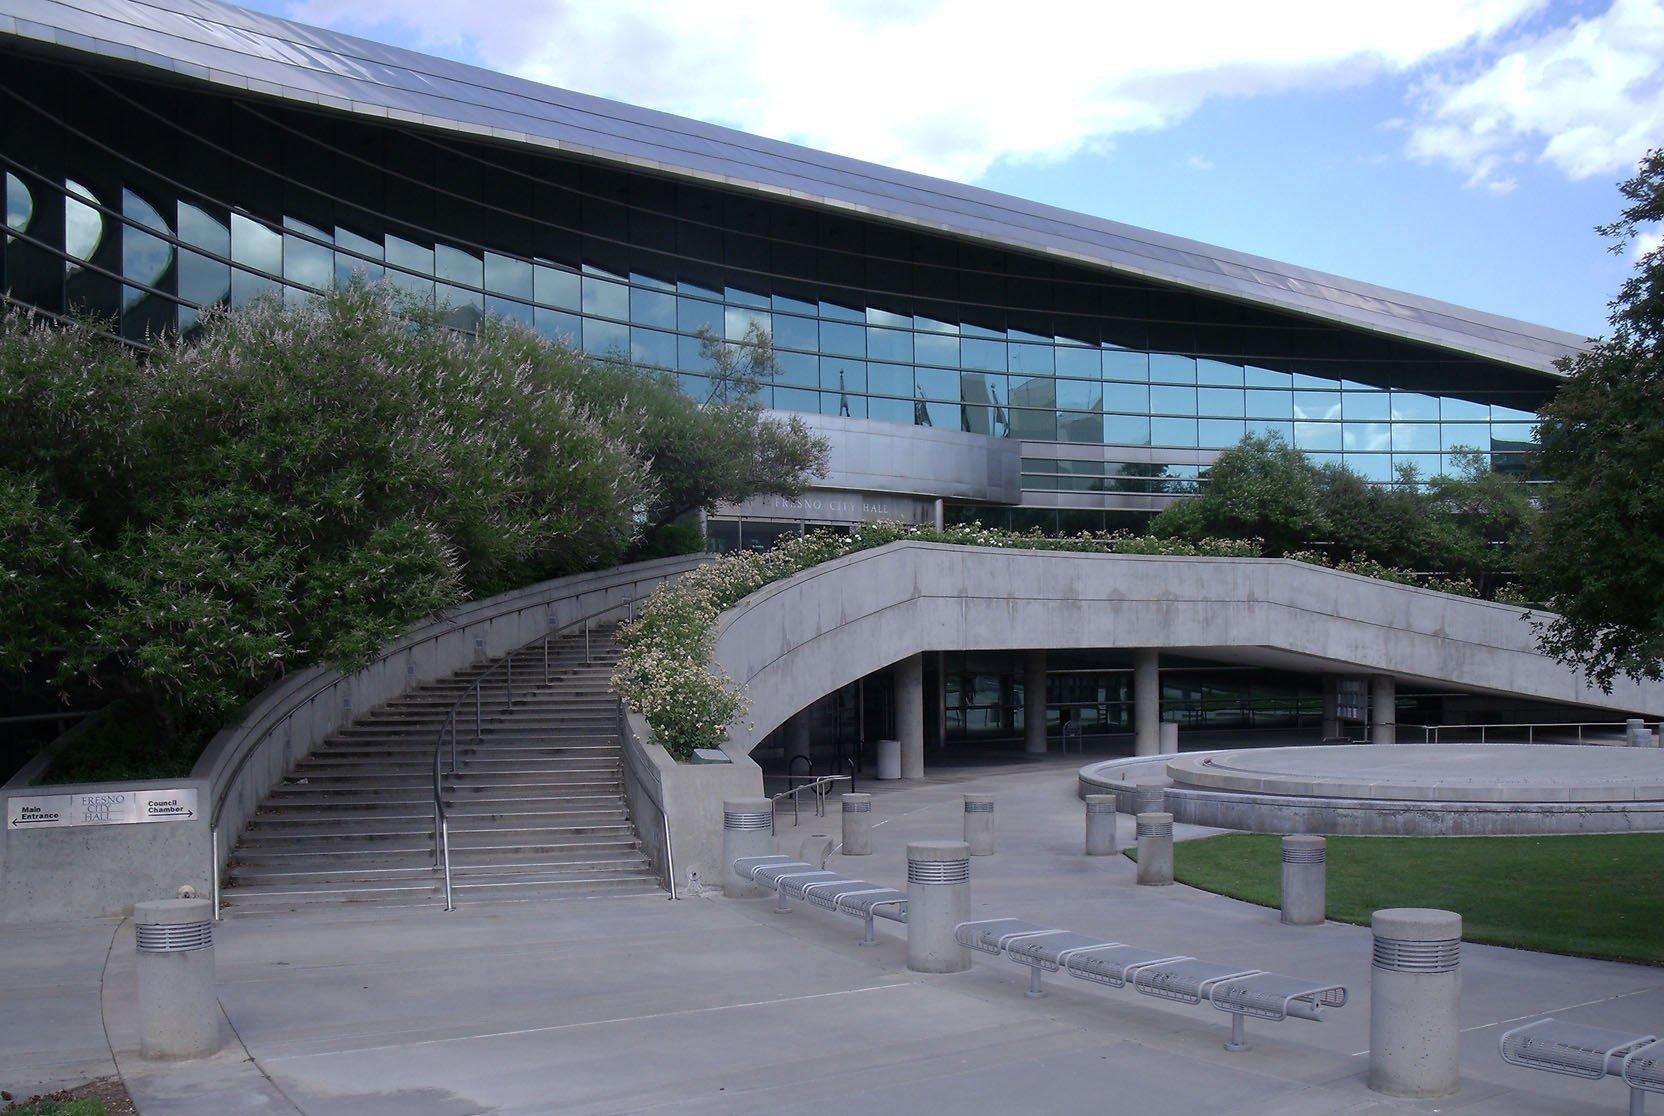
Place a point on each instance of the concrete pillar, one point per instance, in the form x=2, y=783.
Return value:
x=1149, y=794
x=910, y=715
x=1331, y=707
x=1637, y=734
x=797, y=744
x=179, y=1014
x=1034, y=702
x=857, y=824
x=1146, y=703
x=938, y=900
x=1305, y=880
x=1100, y=825
x=1383, y=710
x=747, y=830
x=1169, y=737
x=979, y=824
x=1415, y=987
x=1155, y=849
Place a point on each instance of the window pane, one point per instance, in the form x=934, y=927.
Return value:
x=605, y=338
x=20, y=204
x=738, y=321
x=796, y=333
x=1408, y=405
x=1369, y=437
x=936, y=383
x=1129, y=398
x=1365, y=406
x=798, y=370
x=1415, y=436
x=693, y=315
x=652, y=308
x=305, y=263
x=1085, y=363
x=1033, y=391
x=606, y=299
x=1080, y=395
x=1219, y=433
x=1324, y=405
x=254, y=245
x=890, y=344
x=1038, y=425
x=1283, y=430
x=1172, y=400
x=843, y=374
x=987, y=355
x=1462, y=409
x=203, y=281
x=1265, y=377
x=842, y=340
x=1031, y=358
x=464, y=300
x=1127, y=430
x=1264, y=403
x=1472, y=435
x=83, y=225
x=557, y=287
x=350, y=262
x=890, y=379
x=934, y=348
x=1080, y=426
x=1173, y=432
x=1219, y=402
x=144, y=258
x=1375, y=467
x=652, y=347
x=557, y=325
x=1122, y=365
x=1168, y=368
x=1317, y=435
x=1218, y=372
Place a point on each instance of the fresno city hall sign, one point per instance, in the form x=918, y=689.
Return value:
x=124, y=807
x=834, y=506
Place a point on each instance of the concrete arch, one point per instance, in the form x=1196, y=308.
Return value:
x=794, y=641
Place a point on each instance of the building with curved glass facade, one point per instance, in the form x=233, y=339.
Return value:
x=968, y=355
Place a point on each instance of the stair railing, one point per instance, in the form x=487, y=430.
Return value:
x=448, y=729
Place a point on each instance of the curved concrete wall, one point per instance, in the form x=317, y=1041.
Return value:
x=794, y=641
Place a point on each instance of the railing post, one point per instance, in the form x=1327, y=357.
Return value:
x=479, y=726
x=546, y=660
x=587, y=659
x=510, y=668
x=453, y=743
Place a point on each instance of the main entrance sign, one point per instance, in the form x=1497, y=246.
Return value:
x=53, y=811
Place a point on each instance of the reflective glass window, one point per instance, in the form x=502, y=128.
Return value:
x=1500, y=413
x=796, y=399
x=1213, y=433
x=1365, y=406
x=738, y=321
x=1119, y=364
x=204, y=281
x=306, y=263
x=746, y=298
x=652, y=308
x=931, y=325
x=1031, y=358
x=83, y=225
x=845, y=403
x=1266, y=403
x=843, y=374
x=797, y=370
x=1473, y=435
x=1375, y=467
x=781, y=303
x=1283, y=430
x=144, y=258
x=1266, y=378
x=603, y=338
x=691, y=355
x=989, y=356
x=1172, y=400
x=651, y=282
x=1517, y=436
x=1425, y=464
x=1317, y=435
x=1322, y=405
x=1451, y=463
x=1169, y=368
x=936, y=348
x=936, y=383
x=1462, y=410
x=971, y=329
x=653, y=347
x=606, y=299
x=1217, y=402
x=709, y=294
x=839, y=313
x=890, y=410
x=497, y=306
x=1080, y=362
x=837, y=339
x=1408, y=406
x=878, y=317
x=1218, y=372
x=350, y=261
x=942, y=416
x=1080, y=426
x=1128, y=398
x=1366, y=437
x=1080, y=395
x=1033, y=391
x=253, y=245
x=796, y=333
x=558, y=325
x=20, y=204
x=890, y=379
x=1316, y=383
x=1036, y=425
x=1415, y=436
x=694, y=315
x=1178, y=432
x=890, y=344
x=1127, y=430
x=461, y=295
x=557, y=287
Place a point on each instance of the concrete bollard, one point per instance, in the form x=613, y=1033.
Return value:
x=938, y=900
x=857, y=824
x=814, y=849
x=1169, y=738
x=179, y=1014
x=889, y=760
x=1100, y=825
x=1415, y=987
x=1155, y=849
x=1305, y=880
x=1637, y=734
x=1149, y=794
x=979, y=824
x=747, y=830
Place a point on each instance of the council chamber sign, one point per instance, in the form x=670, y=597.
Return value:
x=126, y=807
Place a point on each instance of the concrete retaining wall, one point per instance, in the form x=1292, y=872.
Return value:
x=791, y=642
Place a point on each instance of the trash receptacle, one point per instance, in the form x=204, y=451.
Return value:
x=889, y=759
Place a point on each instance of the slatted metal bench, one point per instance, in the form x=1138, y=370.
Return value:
x=789, y=877
x=1577, y=1050
x=992, y=935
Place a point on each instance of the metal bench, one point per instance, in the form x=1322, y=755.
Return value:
x=1272, y=996
x=1115, y=963
x=1049, y=952
x=1577, y=1050
x=992, y=935
x=789, y=877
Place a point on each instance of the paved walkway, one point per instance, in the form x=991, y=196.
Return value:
x=708, y=1006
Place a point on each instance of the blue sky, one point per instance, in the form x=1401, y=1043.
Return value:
x=1462, y=149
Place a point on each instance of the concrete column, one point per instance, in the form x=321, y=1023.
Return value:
x=1383, y=710
x=857, y=824
x=1149, y=794
x=1169, y=737
x=1305, y=880
x=1034, y=702
x=910, y=715
x=1637, y=734
x=1331, y=707
x=979, y=824
x=1100, y=825
x=747, y=830
x=1146, y=703
x=1155, y=849
x=1415, y=987
x=179, y=1014
x=797, y=743
x=938, y=900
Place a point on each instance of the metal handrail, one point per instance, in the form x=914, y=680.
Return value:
x=817, y=784
x=1430, y=733
x=441, y=816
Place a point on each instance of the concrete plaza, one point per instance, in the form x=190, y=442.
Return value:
x=715, y=1006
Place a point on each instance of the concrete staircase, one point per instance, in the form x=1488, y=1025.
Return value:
x=536, y=807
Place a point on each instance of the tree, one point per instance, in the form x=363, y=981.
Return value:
x=1260, y=488
x=1477, y=521
x=1597, y=558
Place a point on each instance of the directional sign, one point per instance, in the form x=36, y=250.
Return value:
x=123, y=807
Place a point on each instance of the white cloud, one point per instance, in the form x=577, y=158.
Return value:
x=1587, y=99
x=1646, y=243
x=947, y=87
x=1200, y=162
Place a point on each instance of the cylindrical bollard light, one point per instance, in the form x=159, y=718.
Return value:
x=857, y=824
x=938, y=900
x=979, y=824
x=179, y=1015
x=1149, y=794
x=1415, y=986
x=747, y=830
x=1100, y=825
x=1155, y=849
x=1305, y=880
x=1636, y=734
x=1169, y=738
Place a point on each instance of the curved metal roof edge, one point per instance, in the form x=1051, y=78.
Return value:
x=966, y=212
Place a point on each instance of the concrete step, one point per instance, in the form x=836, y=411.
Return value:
x=335, y=837
x=539, y=885
x=342, y=850
x=420, y=868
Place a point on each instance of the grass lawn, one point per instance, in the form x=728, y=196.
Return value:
x=1599, y=896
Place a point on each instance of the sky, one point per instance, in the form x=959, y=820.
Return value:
x=1460, y=149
